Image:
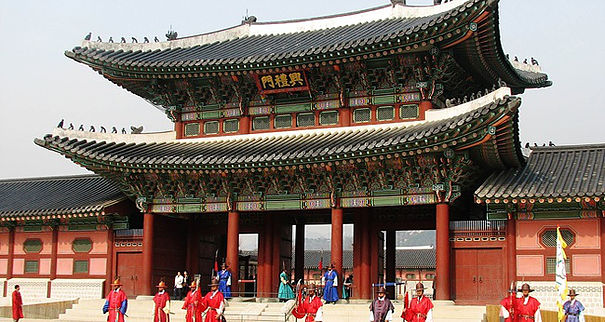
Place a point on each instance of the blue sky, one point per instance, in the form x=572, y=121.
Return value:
x=39, y=85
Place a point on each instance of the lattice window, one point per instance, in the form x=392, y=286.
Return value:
x=82, y=245
x=328, y=118
x=81, y=266
x=283, y=121
x=260, y=123
x=305, y=119
x=32, y=266
x=408, y=111
x=192, y=129
x=551, y=265
x=32, y=246
x=230, y=126
x=362, y=115
x=211, y=127
x=385, y=113
x=549, y=237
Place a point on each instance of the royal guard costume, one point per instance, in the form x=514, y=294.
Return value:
x=330, y=279
x=312, y=306
x=573, y=309
x=161, y=304
x=216, y=303
x=17, y=304
x=224, y=276
x=116, y=303
x=527, y=308
x=381, y=309
x=194, y=304
x=420, y=309
x=507, y=305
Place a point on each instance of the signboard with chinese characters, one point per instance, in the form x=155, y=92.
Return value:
x=290, y=81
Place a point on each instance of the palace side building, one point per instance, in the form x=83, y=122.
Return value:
x=391, y=118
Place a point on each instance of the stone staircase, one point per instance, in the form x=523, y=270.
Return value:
x=140, y=310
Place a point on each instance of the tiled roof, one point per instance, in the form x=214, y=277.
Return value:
x=83, y=194
x=551, y=172
x=405, y=258
x=251, y=49
x=240, y=48
x=284, y=148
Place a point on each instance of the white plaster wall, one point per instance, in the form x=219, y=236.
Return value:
x=31, y=288
x=77, y=288
x=590, y=294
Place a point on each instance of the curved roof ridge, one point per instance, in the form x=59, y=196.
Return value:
x=553, y=148
x=54, y=178
x=286, y=26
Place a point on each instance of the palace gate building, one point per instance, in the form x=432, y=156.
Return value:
x=388, y=119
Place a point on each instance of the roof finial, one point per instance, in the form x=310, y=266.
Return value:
x=248, y=19
x=171, y=34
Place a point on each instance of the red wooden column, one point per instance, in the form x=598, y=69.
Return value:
x=233, y=248
x=244, y=125
x=53, y=257
x=423, y=107
x=54, y=248
x=391, y=254
x=357, y=231
x=299, y=260
x=364, y=281
x=266, y=265
x=11, y=253
x=109, y=268
x=260, y=260
x=147, y=254
x=443, y=252
x=511, y=252
x=603, y=256
x=336, y=244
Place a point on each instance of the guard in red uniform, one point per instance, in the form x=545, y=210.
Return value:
x=421, y=308
x=161, y=307
x=312, y=306
x=216, y=303
x=194, y=304
x=507, y=310
x=17, y=304
x=116, y=303
x=527, y=308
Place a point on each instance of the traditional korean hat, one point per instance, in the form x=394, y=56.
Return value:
x=116, y=282
x=311, y=287
x=572, y=292
x=214, y=282
x=525, y=286
x=161, y=284
x=419, y=286
x=382, y=290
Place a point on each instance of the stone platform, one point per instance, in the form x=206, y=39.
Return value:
x=140, y=310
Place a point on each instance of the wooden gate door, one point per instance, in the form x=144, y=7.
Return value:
x=127, y=264
x=465, y=275
x=478, y=275
x=490, y=275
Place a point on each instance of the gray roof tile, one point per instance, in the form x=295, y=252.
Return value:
x=551, y=172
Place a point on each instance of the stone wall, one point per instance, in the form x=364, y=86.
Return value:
x=77, y=288
x=590, y=294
